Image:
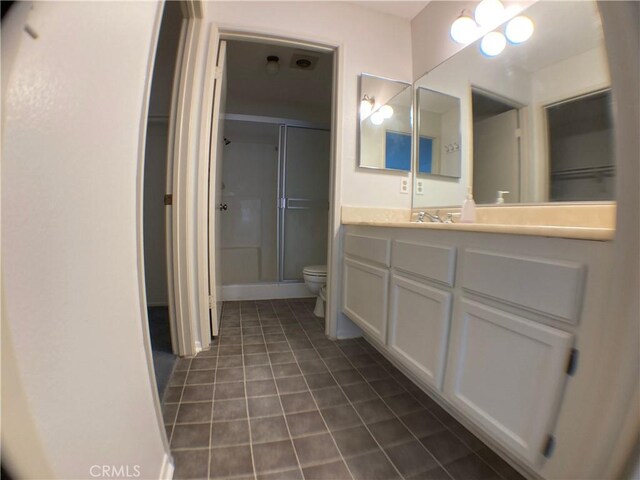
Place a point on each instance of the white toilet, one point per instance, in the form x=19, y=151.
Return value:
x=315, y=277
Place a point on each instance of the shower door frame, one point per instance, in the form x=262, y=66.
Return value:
x=283, y=200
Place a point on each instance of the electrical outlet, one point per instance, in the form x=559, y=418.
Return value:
x=419, y=187
x=404, y=185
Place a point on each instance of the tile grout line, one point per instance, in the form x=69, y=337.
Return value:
x=473, y=452
x=351, y=405
x=213, y=394
x=398, y=416
x=173, y=427
x=284, y=415
x=314, y=399
x=246, y=398
x=446, y=427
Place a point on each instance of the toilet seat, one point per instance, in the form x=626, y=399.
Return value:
x=315, y=271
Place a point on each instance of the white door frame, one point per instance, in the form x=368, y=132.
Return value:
x=333, y=263
x=189, y=304
x=191, y=156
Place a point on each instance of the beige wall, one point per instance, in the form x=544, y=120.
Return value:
x=370, y=42
x=73, y=105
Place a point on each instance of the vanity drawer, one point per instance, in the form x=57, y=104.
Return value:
x=550, y=287
x=433, y=262
x=373, y=249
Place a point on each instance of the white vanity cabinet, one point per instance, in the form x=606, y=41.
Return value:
x=507, y=374
x=365, y=285
x=490, y=325
x=419, y=321
x=365, y=296
x=420, y=309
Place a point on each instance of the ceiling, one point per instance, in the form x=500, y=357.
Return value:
x=401, y=9
x=290, y=93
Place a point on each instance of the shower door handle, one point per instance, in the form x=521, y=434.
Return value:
x=223, y=206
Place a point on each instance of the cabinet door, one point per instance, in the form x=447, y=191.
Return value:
x=507, y=374
x=365, y=297
x=419, y=327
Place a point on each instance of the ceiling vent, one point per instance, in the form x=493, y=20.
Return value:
x=301, y=61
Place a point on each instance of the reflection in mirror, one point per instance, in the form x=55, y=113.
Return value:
x=536, y=119
x=385, y=124
x=439, y=134
x=580, y=132
x=496, y=147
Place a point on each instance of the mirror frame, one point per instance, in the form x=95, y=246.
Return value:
x=359, y=128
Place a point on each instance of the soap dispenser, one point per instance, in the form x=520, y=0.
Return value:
x=500, y=197
x=468, y=213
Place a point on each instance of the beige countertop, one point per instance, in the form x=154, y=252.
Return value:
x=586, y=222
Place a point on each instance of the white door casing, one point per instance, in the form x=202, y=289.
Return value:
x=215, y=191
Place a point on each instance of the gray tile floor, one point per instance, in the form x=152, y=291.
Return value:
x=275, y=399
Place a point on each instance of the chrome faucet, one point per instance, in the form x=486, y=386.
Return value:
x=434, y=218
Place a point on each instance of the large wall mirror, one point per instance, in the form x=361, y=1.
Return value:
x=535, y=120
x=438, y=144
x=385, y=121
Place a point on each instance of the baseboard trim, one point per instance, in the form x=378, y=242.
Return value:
x=265, y=291
x=166, y=472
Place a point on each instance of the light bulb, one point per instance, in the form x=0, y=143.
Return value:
x=493, y=43
x=377, y=118
x=488, y=12
x=464, y=29
x=386, y=111
x=366, y=105
x=519, y=29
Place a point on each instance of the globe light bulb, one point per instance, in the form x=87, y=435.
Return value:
x=493, y=43
x=489, y=12
x=366, y=106
x=519, y=29
x=386, y=111
x=464, y=29
x=377, y=118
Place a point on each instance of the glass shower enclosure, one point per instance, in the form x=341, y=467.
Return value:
x=276, y=189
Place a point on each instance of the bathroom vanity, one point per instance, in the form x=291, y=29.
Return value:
x=495, y=327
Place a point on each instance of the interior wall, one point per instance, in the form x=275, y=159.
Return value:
x=74, y=107
x=431, y=43
x=155, y=166
x=371, y=42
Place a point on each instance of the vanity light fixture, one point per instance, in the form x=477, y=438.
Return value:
x=366, y=106
x=519, y=29
x=272, y=67
x=377, y=117
x=386, y=111
x=493, y=44
x=464, y=28
x=489, y=12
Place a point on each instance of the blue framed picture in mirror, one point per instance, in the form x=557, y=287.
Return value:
x=425, y=157
x=397, y=150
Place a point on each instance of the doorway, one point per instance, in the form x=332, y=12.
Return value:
x=496, y=148
x=274, y=182
x=157, y=185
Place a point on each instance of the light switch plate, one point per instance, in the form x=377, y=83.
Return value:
x=404, y=185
